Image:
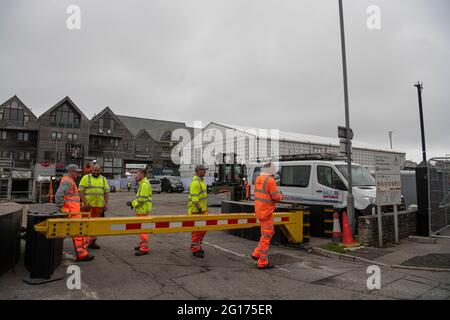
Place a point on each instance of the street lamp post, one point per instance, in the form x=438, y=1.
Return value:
x=419, y=87
x=350, y=198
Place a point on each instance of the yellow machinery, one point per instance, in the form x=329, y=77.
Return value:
x=291, y=224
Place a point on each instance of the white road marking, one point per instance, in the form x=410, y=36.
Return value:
x=226, y=250
x=237, y=254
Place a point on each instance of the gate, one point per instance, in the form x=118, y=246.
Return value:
x=439, y=196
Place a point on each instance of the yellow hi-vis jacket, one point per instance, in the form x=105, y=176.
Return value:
x=143, y=202
x=94, y=190
x=197, y=194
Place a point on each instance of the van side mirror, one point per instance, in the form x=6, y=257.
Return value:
x=339, y=185
x=215, y=175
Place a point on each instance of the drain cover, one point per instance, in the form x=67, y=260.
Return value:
x=281, y=259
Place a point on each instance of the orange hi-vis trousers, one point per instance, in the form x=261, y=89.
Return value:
x=143, y=238
x=197, y=238
x=80, y=243
x=261, y=251
x=95, y=213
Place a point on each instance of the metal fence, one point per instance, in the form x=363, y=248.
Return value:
x=439, y=196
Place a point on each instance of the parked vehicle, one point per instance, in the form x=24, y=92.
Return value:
x=171, y=184
x=156, y=185
x=322, y=182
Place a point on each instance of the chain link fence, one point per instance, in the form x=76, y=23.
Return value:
x=439, y=196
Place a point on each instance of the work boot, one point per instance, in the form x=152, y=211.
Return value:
x=94, y=246
x=199, y=254
x=268, y=266
x=140, y=253
x=88, y=257
x=255, y=257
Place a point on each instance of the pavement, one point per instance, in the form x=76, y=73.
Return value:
x=227, y=272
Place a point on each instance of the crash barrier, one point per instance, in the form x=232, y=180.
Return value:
x=291, y=223
x=10, y=234
x=42, y=256
x=279, y=237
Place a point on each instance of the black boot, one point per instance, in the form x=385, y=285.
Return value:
x=140, y=253
x=269, y=266
x=94, y=246
x=199, y=254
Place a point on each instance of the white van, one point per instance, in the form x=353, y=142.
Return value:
x=322, y=182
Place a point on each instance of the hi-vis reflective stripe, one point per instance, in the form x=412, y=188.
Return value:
x=291, y=223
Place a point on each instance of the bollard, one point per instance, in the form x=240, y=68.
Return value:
x=42, y=256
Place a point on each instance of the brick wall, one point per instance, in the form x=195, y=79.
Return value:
x=368, y=227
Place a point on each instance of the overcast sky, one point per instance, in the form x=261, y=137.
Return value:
x=260, y=63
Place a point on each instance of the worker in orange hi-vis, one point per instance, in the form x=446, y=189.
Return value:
x=266, y=195
x=67, y=199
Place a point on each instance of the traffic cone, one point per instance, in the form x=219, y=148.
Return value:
x=337, y=234
x=347, y=238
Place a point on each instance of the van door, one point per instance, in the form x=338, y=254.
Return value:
x=328, y=187
x=295, y=183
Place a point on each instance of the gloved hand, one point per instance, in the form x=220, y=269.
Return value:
x=129, y=204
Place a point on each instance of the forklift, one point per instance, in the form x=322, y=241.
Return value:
x=230, y=181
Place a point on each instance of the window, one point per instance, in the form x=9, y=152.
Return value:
x=329, y=178
x=3, y=135
x=72, y=137
x=13, y=112
x=114, y=142
x=23, y=136
x=23, y=155
x=295, y=176
x=65, y=116
x=56, y=136
x=52, y=156
x=106, y=122
x=360, y=176
x=5, y=154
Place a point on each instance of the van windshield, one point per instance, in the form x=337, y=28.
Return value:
x=174, y=180
x=155, y=181
x=360, y=176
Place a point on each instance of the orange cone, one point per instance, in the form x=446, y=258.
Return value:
x=337, y=234
x=347, y=238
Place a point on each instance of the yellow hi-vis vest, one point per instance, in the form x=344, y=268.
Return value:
x=94, y=190
x=143, y=202
x=197, y=194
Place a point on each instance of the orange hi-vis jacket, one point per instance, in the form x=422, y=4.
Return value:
x=72, y=198
x=266, y=195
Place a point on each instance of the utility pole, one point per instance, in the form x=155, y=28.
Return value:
x=419, y=87
x=390, y=138
x=350, y=198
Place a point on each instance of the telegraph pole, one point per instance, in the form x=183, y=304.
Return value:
x=419, y=87
x=350, y=198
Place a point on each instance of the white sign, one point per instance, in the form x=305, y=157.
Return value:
x=387, y=179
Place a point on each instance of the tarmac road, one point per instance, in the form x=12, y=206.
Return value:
x=227, y=272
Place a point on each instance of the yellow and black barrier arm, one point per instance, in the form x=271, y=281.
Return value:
x=291, y=224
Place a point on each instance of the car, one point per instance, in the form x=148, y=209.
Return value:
x=156, y=185
x=171, y=184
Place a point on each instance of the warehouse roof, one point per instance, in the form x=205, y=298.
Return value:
x=156, y=128
x=305, y=138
